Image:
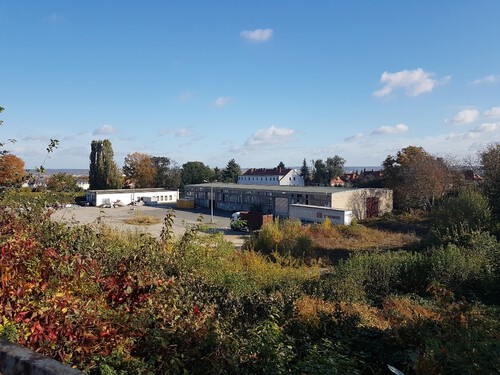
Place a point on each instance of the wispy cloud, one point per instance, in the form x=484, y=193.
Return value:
x=257, y=35
x=186, y=95
x=413, y=82
x=270, y=136
x=35, y=137
x=222, y=101
x=465, y=116
x=461, y=136
x=396, y=129
x=493, y=112
x=104, y=130
x=183, y=132
x=488, y=79
x=487, y=127
x=354, y=138
x=55, y=18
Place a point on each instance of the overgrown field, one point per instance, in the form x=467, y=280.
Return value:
x=114, y=303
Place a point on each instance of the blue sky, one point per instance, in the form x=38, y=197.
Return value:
x=257, y=81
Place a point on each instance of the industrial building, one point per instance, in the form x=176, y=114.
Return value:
x=278, y=200
x=127, y=196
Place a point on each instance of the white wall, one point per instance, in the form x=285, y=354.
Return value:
x=317, y=214
x=126, y=196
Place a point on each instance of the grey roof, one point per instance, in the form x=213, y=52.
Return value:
x=298, y=189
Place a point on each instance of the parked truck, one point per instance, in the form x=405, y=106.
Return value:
x=249, y=220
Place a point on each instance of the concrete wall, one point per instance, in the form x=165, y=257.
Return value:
x=355, y=201
x=16, y=360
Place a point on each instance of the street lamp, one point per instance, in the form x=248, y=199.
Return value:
x=211, y=200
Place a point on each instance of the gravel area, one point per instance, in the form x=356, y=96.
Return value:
x=115, y=217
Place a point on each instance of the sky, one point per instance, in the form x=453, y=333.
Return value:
x=255, y=81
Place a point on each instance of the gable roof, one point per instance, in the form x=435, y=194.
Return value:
x=267, y=172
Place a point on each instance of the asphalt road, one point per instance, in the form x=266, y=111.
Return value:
x=183, y=217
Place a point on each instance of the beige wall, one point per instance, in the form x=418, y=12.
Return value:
x=355, y=201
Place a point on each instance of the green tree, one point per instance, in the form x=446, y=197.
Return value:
x=281, y=165
x=217, y=174
x=490, y=163
x=335, y=167
x=195, y=172
x=320, y=173
x=103, y=171
x=305, y=173
x=168, y=173
x=139, y=168
x=231, y=172
x=456, y=217
x=62, y=182
x=416, y=178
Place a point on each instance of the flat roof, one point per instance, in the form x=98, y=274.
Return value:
x=123, y=191
x=298, y=189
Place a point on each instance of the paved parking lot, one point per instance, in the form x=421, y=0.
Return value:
x=183, y=217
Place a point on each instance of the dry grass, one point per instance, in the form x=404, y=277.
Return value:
x=359, y=237
x=143, y=220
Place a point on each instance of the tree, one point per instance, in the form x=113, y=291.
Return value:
x=195, y=172
x=217, y=174
x=62, y=182
x=304, y=172
x=416, y=178
x=490, y=163
x=231, y=172
x=103, y=171
x=320, y=173
x=11, y=171
x=457, y=217
x=139, y=168
x=281, y=165
x=335, y=167
x=168, y=173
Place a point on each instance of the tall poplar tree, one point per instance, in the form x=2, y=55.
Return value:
x=103, y=173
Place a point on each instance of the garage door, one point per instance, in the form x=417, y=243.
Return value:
x=281, y=206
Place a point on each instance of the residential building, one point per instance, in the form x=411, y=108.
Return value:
x=271, y=177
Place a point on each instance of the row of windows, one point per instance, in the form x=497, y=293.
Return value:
x=248, y=178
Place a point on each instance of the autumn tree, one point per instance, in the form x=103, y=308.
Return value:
x=139, y=168
x=103, y=171
x=231, y=172
x=11, y=171
x=416, y=178
x=490, y=163
x=62, y=182
x=195, y=172
x=168, y=173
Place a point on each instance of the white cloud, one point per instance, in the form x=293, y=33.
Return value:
x=487, y=127
x=414, y=82
x=465, y=116
x=493, y=112
x=488, y=79
x=270, y=136
x=222, y=101
x=396, y=129
x=257, y=35
x=105, y=129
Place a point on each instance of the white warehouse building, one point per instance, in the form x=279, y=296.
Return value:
x=151, y=196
